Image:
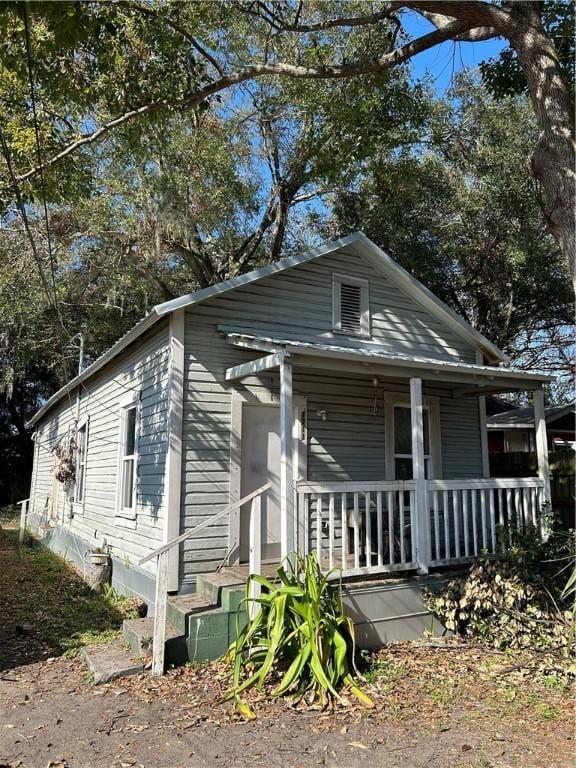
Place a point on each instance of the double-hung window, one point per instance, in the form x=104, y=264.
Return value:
x=398, y=432
x=81, y=453
x=403, y=469
x=127, y=470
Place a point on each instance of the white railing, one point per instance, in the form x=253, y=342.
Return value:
x=373, y=527
x=468, y=518
x=358, y=527
x=161, y=555
x=24, y=508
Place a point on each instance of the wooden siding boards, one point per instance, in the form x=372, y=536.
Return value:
x=350, y=443
x=142, y=370
x=297, y=303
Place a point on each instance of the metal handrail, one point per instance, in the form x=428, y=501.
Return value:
x=205, y=524
x=161, y=555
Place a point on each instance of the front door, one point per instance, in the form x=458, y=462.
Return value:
x=260, y=463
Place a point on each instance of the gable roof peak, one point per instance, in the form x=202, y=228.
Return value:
x=379, y=258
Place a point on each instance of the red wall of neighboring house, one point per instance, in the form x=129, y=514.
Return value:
x=495, y=442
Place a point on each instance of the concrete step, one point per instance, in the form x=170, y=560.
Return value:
x=139, y=633
x=211, y=632
x=180, y=607
x=385, y=611
x=110, y=661
x=213, y=585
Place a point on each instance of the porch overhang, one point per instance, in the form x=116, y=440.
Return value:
x=472, y=379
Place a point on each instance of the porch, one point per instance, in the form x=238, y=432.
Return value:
x=414, y=516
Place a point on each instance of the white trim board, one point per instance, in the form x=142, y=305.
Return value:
x=172, y=496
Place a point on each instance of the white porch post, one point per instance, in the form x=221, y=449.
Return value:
x=421, y=515
x=174, y=455
x=286, y=472
x=483, y=429
x=542, y=446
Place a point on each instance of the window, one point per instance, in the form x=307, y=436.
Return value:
x=398, y=437
x=81, y=450
x=403, y=443
x=350, y=306
x=128, y=456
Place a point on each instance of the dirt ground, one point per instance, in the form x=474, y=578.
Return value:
x=435, y=705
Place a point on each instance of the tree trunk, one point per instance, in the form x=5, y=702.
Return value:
x=554, y=158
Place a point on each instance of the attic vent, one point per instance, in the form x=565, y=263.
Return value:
x=350, y=306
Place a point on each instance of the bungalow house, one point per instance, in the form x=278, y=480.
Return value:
x=334, y=381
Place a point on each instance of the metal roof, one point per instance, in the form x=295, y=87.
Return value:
x=245, y=337
x=524, y=417
x=124, y=341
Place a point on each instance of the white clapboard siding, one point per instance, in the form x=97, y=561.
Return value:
x=144, y=370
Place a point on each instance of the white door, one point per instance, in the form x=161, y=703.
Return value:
x=260, y=464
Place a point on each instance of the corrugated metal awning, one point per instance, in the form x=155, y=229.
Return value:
x=442, y=369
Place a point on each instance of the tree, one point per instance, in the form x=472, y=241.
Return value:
x=459, y=211
x=203, y=49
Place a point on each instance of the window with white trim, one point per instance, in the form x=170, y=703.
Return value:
x=81, y=451
x=350, y=305
x=403, y=469
x=128, y=459
x=398, y=436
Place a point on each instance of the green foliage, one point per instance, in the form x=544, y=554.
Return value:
x=299, y=638
x=515, y=602
x=462, y=215
x=503, y=75
x=42, y=589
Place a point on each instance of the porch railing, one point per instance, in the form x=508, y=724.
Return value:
x=363, y=527
x=24, y=510
x=359, y=527
x=468, y=518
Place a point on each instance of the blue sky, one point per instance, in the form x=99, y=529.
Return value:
x=446, y=59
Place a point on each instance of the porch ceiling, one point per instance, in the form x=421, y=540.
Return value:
x=474, y=379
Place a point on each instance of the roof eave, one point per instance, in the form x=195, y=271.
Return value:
x=140, y=328
x=257, y=274
x=420, y=292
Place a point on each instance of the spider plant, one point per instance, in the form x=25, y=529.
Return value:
x=299, y=637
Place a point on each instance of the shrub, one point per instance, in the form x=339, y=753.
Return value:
x=299, y=637
x=515, y=602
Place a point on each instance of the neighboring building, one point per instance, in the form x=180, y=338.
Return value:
x=334, y=375
x=513, y=431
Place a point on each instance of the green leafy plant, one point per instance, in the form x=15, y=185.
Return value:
x=569, y=591
x=299, y=638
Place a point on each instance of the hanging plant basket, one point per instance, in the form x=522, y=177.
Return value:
x=65, y=465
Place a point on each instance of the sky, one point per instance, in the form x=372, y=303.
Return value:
x=443, y=61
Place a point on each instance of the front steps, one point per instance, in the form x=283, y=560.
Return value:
x=201, y=626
